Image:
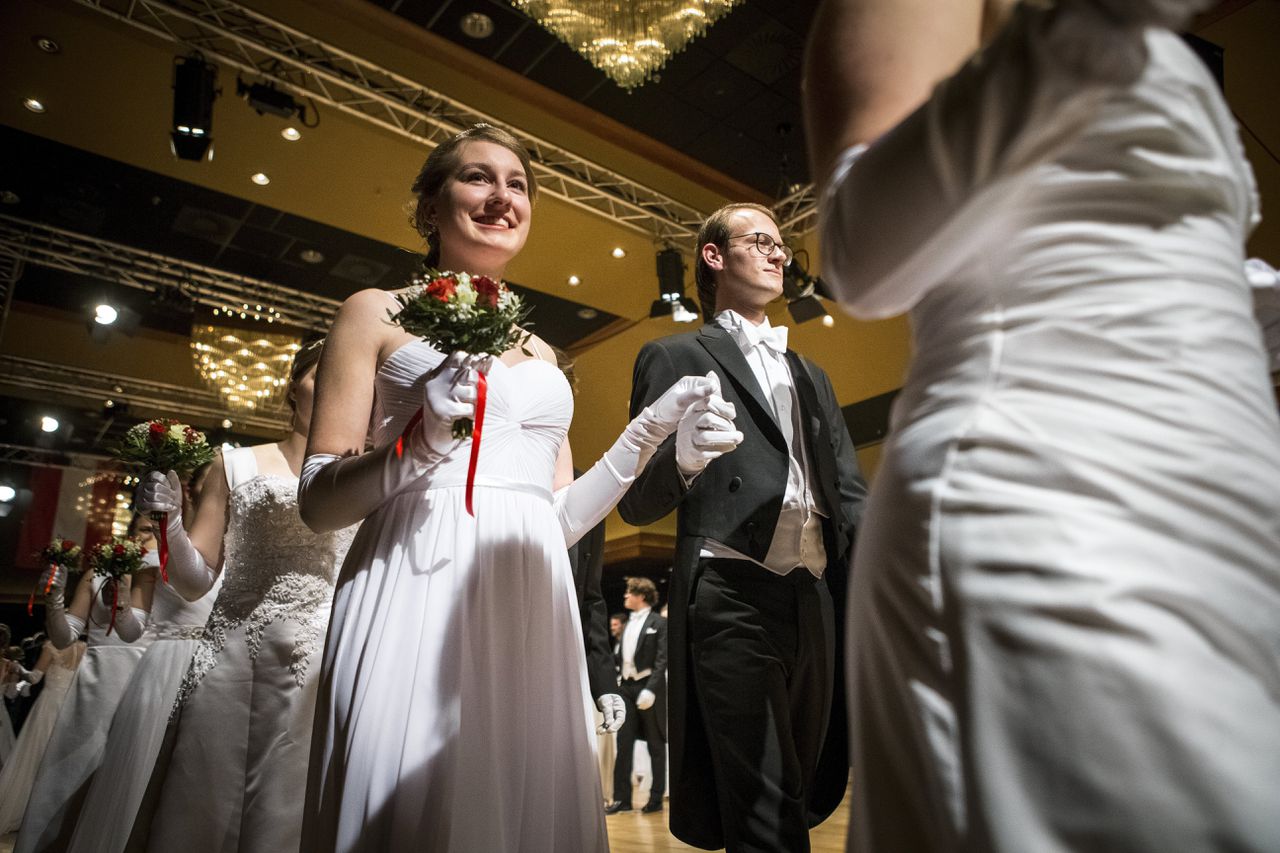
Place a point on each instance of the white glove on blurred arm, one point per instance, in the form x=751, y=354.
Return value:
x=614, y=710
x=189, y=573
x=62, y=627
x=583, y=503
x=645, y=700
x=338, y=491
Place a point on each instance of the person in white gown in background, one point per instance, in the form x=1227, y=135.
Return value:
x=79, y=738
x=173, y=626
x=454, y=712
x=56, y=669
x=1063, y=627
x=232, y=770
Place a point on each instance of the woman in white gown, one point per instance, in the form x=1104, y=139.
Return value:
x=75, y=749
x=56, y=668
x=235, y=763
x=454, y=712
x=173, y=627
x=1063, y=626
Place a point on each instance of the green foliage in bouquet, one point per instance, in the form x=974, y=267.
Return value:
x=165, y=445
x=60, y=552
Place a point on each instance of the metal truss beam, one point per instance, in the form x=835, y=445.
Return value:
x=197, y=406
x=23, y=241
x=797, y=213
x=256, y=44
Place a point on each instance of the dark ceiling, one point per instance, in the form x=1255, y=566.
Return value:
x=68, y=188
x=731, y=99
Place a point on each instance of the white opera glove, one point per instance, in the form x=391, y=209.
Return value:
x=62, y=627
x=188, y=571
x=614, y=710
x=705, y=433
x=450, y=394
x=130, y=622
x=582, y=504
x=645, y=700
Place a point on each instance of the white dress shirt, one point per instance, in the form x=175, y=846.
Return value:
x=797, y=538
x=630, y=639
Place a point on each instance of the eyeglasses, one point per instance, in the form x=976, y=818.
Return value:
x=766, y=245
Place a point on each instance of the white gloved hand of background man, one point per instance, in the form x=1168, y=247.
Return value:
x=614, y=710
x=645, y=700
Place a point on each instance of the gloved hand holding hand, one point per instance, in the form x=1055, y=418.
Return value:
x=614, y=710
x=645, y=700
x=706, y=432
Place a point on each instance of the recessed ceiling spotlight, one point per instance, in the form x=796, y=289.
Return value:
x=49, y=424
x=108, y=404
x=588, y=313
x=7, y=493
x=476, y=25
x=574, y=281
x=619, y=252
x=828, y=321
x=33, y=104
x=291, y=133
x=226, y=423
x=9, y=197
x=104, y=314
x=260, y=179
x=311, y=256
x=46, y=44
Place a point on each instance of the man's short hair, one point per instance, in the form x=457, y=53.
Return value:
x=644, y=588
x=716, y=230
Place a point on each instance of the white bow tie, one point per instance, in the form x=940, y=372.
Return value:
x=774, y=337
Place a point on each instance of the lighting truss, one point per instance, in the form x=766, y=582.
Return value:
x=797, y=213
x=263, y=47
x=23, y=241
x=194, y=405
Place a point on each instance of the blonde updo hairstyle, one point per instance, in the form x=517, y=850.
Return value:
x=441, y=165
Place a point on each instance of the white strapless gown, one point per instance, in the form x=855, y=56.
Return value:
x=138, y=728
x=454, y=709
x=1064, y=620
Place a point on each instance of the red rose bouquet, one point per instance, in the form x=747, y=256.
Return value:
x=58, y=554
x=164, y=444
x=113, y=560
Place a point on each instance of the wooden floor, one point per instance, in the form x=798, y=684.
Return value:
x=633, y=832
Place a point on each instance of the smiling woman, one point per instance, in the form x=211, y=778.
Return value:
x=440, y=702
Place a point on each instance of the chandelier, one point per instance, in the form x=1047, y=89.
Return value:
x=246, y=366
x=626, y=39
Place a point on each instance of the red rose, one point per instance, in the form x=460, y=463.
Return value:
x=118, y=550
x=191, y=435
x=442, y=289
x=156, y=432
x=67, y=544
x=487, y=291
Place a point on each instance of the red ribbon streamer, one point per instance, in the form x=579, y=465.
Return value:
x=482, y=389
x=404, y=434
x=164, y=546
x=48, y=585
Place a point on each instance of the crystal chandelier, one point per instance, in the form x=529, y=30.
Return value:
x=626, y=39
x=249, y=368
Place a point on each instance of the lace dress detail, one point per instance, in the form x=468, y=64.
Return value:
x=277, y=570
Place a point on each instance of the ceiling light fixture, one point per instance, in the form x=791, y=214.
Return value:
x=46, y=44
x=800, y=290
x=291, y=133
x=260, y=179
x=587, y=313
x=574, y=281
x=9, y=197
x=671, y=301
x=104, y=314
x=49, y=424
x=627, y=41
x=33, y=104
x=476, y=25
x=194, y=91
x=7, y=493
x=311, y=256
x=619, y=252
x=248, y=368
x=227, y=423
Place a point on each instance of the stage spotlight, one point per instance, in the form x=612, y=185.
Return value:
x=7, y=493
x=671, y=301
x=105, y=318
x=104, y=314
x=800, y=288
x=191, y=137
x=49, y=424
